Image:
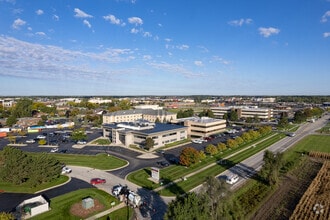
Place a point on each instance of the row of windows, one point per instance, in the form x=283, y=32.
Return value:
x=170, y=134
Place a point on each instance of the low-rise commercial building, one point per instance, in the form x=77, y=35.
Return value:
x=136, y=133
x=202, y=127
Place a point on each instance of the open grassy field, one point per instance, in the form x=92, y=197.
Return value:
x=61, y=205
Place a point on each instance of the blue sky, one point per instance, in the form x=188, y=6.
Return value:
x=164, y=47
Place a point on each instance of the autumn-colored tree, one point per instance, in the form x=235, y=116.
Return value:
x=202, y=155
x=221, y=146
x=211, y=149
x=189, y=156
x=246, y=136
x=239, y=140
x=6, y=216
x=231, y=143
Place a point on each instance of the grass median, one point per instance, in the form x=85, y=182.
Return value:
x=173, y=173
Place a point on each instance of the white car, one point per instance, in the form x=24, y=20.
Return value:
x=41, y=137
x=231, y=179
x=197, y=141
x=66, y=170
x=30, y=141
x=81, y=142
x=54, y=150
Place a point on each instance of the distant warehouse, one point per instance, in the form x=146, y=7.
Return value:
x=136, y=133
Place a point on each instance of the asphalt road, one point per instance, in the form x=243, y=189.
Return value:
x=249, y=166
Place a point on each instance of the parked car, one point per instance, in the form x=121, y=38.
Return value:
x=81, y=142
x=63, y=151
x=163, y=163
x=30, y=141
x=66, y=170
x=41, y=136
x=54, y=150
x=197, y=141
x=96, y=181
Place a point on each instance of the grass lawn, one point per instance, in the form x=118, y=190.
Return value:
x=99, y=161
x=24, y=188
x=120, y=214
x=172, y=173
x=60, y=206
x=309, y=143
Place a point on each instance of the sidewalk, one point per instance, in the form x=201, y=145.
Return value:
x=106, y=212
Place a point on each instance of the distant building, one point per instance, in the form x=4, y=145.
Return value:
x=136, y=114
x=244, y=112
x=7, y=103
x=136, y=133
x=202, y=127
x=153, y=107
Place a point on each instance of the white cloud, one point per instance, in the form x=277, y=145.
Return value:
x=325, y=17
x=147, y=34
x=198, y=63
x=135, y=20
x=87, y=23
x=168, y=39
x=28, y=60
x=220, y=60
x=326, y=34
x=56, y=17
x=18, y=23
x=17, y=11
x=266, y=32
x=183, y=47
x=113, y=20
x=174, y=68
x=41, y=34
x=147, y=57
x=240, y=22
x=29, y=28
x=81, y=14
x=39, y=12
x=134, y=31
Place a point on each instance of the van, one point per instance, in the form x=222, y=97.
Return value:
x=232, y=179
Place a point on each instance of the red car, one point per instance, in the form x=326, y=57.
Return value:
x=95, y=181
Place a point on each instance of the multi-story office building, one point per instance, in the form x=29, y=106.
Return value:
x=136, y=114
x=244, y=112
x=136, y=133
x=202, y=127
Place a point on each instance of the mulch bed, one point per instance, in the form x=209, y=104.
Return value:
x=78, y=210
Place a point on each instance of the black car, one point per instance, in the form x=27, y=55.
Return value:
x=63, y=151
x=163, y=163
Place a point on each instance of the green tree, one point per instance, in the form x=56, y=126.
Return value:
x=11, y=120
x=44, y=168
x=14, y=165
x=283, y=122
x=189, y=156
x=216, y=192
x=202, y=155
x=206, y=113
x=239, y=140
x=190, y=206
x=79, y=134
x=233, y=116
x=23, y=108
x=271, y=168
x=150, y=143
